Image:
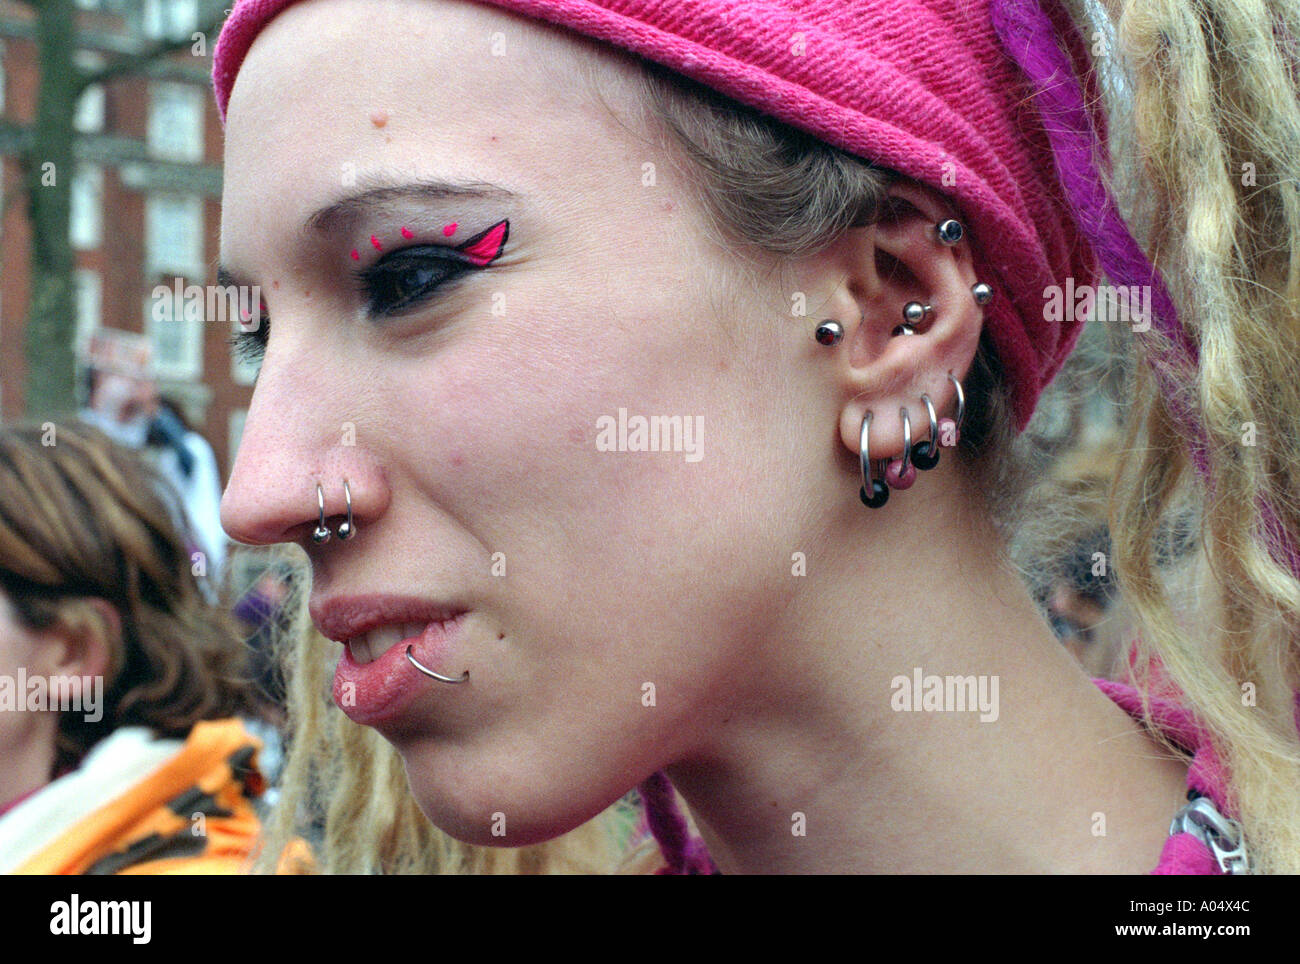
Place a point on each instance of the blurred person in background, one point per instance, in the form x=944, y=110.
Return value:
x=122, y=400
x=151, y=770
x=1079, y=603
x=1070, y=569
x=186, y=459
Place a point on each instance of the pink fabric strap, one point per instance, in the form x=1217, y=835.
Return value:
x=1183, y=853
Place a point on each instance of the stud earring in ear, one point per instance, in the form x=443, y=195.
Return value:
x=914, y=312
x=949, y=231
x=829, y=333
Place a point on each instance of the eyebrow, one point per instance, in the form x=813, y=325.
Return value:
x=383, y=192
x=342, y=212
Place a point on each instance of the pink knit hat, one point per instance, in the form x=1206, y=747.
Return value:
x=924, y=87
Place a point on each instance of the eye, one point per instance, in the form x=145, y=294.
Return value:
x=250, y=346
x=405, y=278
x=396, y=283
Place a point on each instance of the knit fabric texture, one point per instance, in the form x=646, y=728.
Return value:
x=922, y=87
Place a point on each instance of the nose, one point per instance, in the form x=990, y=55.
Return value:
x=296, y=453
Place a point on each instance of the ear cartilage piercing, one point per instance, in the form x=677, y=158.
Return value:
x=346, y=529
x=829, y=333
x=428, y=672
x=926, y=454
x=949, y=231
x=321, y=532
x=915, y=312
x=983, y=293
x=879, y=491
x=904, y=329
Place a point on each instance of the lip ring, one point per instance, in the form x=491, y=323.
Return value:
x=428, y=672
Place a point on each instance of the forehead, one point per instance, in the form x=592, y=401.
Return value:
x=445, y=88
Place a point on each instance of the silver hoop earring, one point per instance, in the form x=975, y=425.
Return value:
x=430, y=673
x=961, y=400
x=346, y=529
x=926, y=455
x=877, y=489
x=322, y=532
x=906, y=460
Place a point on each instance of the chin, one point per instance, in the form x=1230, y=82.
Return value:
x=493, y=812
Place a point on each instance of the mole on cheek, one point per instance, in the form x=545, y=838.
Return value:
x=379, y=118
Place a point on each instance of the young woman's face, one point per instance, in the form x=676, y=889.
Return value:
x=620, y=605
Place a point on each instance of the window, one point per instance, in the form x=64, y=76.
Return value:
x=176, y=121
x=170, y=18
x=86, y=227
x=174, y=235
x=88, y=295
x=90, y=110
x=175, y=328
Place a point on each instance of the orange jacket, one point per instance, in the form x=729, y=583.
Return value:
x=190, y=812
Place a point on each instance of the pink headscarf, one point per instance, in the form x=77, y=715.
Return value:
x=919, y=86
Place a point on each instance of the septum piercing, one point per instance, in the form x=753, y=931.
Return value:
x=428, y=672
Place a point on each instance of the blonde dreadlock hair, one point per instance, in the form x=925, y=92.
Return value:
x=1216, y=124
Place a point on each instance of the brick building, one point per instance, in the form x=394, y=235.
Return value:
x=145, y=201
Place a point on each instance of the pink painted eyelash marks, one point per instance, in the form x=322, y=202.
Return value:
x=482, y=249
x=485, y=247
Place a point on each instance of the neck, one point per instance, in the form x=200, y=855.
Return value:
x=828, y=765
x=27, y=767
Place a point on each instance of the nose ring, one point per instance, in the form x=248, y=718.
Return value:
x=346, y=529
x=322, y=532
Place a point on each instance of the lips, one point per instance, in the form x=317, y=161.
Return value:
x=345, y=617
x=374, y=683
